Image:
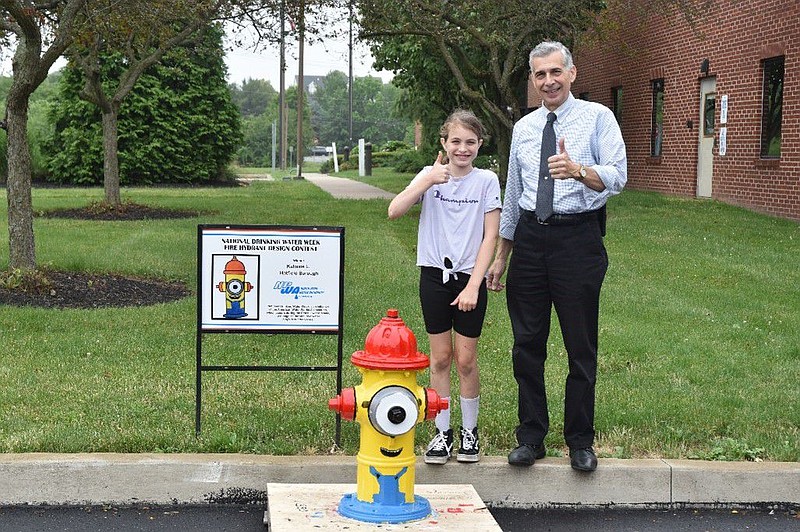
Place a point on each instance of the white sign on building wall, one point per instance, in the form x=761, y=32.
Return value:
x=723, y=109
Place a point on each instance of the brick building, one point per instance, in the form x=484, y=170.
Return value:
x=709, y=110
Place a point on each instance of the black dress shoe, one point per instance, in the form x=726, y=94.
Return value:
x=526, y=454
x=583, y=459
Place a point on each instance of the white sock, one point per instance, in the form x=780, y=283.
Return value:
x=469, y=412
x=443, y=418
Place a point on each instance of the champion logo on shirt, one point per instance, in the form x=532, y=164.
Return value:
x=438, y=195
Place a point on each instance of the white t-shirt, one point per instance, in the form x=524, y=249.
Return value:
x=451, y=221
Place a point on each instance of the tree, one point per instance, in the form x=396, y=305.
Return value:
x=257, y=102
x=142, y=31
x=481, y=50
x=429, y=107
x=374, y=115
x=39, y=126
x=483, y=45
x=177, y=124
x=5, y=83
x=329, y=109
x=256, y=147
x=42, y=32
x=254, y=97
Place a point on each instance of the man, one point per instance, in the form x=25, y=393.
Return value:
x=558, y=255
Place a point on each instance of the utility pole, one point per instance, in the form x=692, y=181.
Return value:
x=273, y=146
x=282, y=119
x=300, y=89
x=350, y=84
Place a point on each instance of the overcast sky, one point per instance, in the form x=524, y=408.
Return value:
x=320, y=59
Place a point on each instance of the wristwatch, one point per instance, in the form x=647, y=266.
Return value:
x=581, y=173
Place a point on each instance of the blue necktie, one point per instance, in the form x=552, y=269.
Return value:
x=544, y=194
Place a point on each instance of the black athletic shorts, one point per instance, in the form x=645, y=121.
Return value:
x=436, y=297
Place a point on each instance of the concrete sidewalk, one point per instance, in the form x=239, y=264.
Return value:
x=127, y=479
x=343, y=188
x=338, y=187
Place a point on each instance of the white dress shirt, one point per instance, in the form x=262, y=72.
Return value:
x=592, y=138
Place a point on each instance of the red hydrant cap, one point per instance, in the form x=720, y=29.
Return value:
x=234, y=266
x=390, y=345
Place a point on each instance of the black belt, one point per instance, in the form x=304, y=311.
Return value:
x=562, y=219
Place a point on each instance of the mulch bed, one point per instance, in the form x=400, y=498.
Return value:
x=58, y=289
x=122, y=212
x=87, y=291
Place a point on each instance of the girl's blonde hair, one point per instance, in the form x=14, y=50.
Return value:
x=466, y=119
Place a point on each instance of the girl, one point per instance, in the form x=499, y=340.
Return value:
x=458, y=228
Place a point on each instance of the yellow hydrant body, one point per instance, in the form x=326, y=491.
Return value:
x=388, y=454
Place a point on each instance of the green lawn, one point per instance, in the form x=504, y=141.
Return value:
x=700, y=334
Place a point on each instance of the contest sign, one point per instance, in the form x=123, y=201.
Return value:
x=270, y=278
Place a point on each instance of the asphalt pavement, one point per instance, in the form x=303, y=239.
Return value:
x=234, y=518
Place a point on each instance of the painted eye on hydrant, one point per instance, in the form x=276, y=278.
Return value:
x=235, y=287
x=393, y=411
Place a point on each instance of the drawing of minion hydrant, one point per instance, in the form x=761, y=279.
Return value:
x=235, y=289
x=388, y=404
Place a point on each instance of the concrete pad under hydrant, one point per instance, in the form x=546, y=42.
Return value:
x=293, y=507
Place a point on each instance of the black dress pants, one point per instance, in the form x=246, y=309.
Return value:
x=561, y=266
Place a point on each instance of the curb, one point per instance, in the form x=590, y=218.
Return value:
x=168, y=479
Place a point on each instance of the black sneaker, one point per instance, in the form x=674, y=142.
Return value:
x=440, y=447
x=470, y=448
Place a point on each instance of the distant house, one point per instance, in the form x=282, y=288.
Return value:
x=310, y=83
x=710, y=110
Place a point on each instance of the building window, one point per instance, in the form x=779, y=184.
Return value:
x=772, y=99
x=657, y=118
x=616, y=103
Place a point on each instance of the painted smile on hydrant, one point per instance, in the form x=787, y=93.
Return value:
x=391, y=453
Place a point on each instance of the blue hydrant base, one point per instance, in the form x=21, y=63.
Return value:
x=372, y=512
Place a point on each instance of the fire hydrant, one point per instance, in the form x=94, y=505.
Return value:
x=235, y=288
x=388, y=404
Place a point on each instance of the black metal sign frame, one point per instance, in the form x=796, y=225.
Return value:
x=233, y=254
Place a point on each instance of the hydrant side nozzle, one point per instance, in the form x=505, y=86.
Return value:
x=345, y=404
x=435, y=404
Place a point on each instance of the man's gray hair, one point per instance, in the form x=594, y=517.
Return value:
x=543, y=49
